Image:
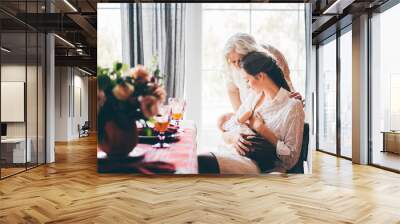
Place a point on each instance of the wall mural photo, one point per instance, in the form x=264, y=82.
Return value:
x=202, y=88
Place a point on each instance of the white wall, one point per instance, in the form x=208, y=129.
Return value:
x=33, y=126
x=16, y=73
x=80, y=84
x=70, y=83
x=61, y=103
x=10, y=73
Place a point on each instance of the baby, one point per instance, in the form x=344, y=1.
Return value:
x=234, y=124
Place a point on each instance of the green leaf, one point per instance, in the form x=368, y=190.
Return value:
x=152, y=120
x=157, y=73
x=103, y=81
x=148, y=131
x=117, y=66
x=124, y=68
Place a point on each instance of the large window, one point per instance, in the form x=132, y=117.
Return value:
x=335, y=73
x=327, y=96
x=280, y=25
x=385, y=89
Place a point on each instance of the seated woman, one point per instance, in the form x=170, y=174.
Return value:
x=267, y=112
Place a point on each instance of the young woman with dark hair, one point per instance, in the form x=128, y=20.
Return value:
x=274, y=116
x=236, y=47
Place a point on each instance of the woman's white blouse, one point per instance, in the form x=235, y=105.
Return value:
x=284, y=116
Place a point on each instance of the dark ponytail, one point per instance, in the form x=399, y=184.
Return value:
x=256, y=62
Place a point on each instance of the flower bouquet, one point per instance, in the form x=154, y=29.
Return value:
x=123, y=98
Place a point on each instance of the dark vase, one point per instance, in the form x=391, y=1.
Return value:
x=117, y=142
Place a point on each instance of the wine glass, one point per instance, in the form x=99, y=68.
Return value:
x=161, y=125
x=177, y=109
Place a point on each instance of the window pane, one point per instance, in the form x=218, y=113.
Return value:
x=220, y=6
x=284, y=29
x=13, y=84
x=109, y=38
x=32, y=98
x=346, y=94
x=41, y=99
x=385, y=84
x=327, y=97
x=218, y=26
x=278, y=6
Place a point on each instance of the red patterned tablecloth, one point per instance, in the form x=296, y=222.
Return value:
x=183, y=154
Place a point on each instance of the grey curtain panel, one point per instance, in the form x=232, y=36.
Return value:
x=168, y=39
x=159, y=29
x=135, y=34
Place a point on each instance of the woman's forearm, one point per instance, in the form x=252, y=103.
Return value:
x=234, y=96
x=267, y=134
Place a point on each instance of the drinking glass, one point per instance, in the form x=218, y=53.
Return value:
x=161, y=125
x=177, y=109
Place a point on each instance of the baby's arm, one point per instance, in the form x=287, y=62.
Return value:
x=224, y=118
x=245, y=117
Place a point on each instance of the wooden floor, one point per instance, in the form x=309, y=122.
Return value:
x=71, y=191
x=10, y=171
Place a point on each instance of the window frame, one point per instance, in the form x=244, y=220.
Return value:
x=379, y=10
x=334, y=37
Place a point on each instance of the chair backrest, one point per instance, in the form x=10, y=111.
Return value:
x=86, y=125
x=306, y=139
x=299, y=168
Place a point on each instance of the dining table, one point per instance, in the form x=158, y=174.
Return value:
x=182, y=154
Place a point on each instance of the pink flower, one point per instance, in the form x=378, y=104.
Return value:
x=101, y=99
x=160, y=93
x=123, y=91
x=140, y=74
x=148, y=105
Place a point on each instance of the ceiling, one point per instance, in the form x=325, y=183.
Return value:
x=332, y=15
x=75, y=23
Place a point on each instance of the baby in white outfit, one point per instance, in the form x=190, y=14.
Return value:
x=238, y=123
